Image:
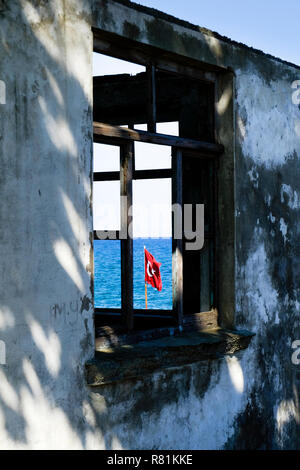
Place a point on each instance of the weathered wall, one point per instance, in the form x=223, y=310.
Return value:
x=268, y=224
x=45, y=220
x=260, y=403
x=250, y=400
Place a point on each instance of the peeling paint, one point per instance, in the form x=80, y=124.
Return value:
x=269, y=110
x=293, y=199
x=283, y=229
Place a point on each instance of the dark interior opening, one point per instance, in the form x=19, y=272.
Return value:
x=122, y=100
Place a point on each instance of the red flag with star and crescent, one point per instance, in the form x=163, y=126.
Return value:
x=152, y=271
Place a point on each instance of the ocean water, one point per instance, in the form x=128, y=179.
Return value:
x=107, y=273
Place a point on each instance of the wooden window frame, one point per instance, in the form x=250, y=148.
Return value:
x=125, y=138
x=223, y=79
x=152, y=59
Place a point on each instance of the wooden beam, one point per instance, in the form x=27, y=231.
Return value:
x=122, y=49
x=152, y=174
x=106, y=176
x=136, y=311
x=124, y=134
x=126, y=173
x=137, y=175
x=177, y=245
x=151, y=82
x=202, y=321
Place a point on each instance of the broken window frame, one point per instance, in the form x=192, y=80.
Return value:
x=125, y=138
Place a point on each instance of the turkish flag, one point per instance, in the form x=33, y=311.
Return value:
x=152, y=272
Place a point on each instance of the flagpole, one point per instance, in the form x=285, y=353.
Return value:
x=145, y=283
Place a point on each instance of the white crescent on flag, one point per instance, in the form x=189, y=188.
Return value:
x=150, y=275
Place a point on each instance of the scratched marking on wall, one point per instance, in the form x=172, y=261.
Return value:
x=69, y=312
x=2, y=92
x=2, y=353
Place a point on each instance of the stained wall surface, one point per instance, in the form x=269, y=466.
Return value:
x=249, y=400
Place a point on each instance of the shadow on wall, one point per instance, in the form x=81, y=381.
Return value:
x=46, y=317
x=46, y=297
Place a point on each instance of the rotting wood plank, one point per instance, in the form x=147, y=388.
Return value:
x=123, y=134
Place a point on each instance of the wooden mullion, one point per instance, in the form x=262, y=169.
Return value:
x=177, y=244
x=126, y=173
x=151, y=102
x=215, y=239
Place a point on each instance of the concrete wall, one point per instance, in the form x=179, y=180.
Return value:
x=46, y=317
x=268, y=224
x=250, y=400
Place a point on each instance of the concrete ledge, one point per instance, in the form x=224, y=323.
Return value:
x=132, y=361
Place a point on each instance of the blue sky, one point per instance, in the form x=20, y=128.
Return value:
x=269, y=25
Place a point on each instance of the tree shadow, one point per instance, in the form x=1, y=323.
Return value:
x=46, y=225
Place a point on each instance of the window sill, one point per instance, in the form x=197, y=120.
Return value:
x=150, y=328
x=115, y=364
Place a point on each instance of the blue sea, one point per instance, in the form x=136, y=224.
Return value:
x=107, y=273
